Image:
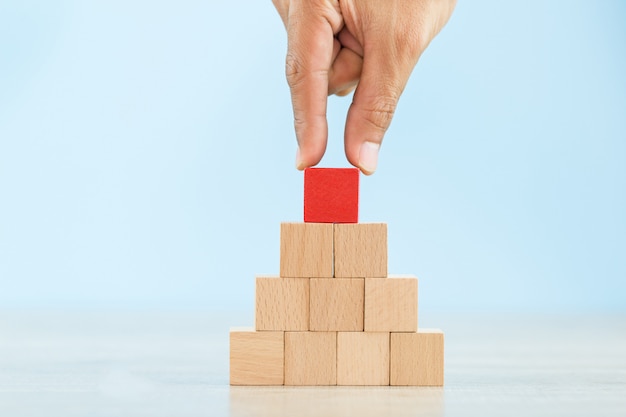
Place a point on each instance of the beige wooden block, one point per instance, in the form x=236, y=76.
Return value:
x=360, y=250
x=256, y=358
x=310, y=358
x=417, y=358
x=306, y=250
x=391, y=304
x=336, y=304
x=282, y=303
x=362, y=358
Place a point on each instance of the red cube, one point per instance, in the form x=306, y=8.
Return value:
x=331, y=195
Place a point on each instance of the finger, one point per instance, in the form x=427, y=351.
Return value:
x=309, y=56
x=347, y=40
x=336, y=49
x=345, y=72
x=382, y=81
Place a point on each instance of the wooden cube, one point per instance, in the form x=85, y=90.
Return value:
x=310, y=358
x=391, y=304
x=360, y=250
x=306, y=250
x=336, y=304
x=362, y=358
x=282, y=303
x=417, y=358
x=331, y=195
x=256, y=358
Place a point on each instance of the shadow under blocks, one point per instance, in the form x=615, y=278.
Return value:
x=334, y=316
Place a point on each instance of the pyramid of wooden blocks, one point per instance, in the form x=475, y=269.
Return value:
x=333, y=315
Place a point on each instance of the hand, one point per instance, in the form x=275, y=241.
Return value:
x=337, y=45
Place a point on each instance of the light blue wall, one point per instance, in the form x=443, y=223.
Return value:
x=147, y=150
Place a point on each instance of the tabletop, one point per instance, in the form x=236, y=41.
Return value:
x=176, y=363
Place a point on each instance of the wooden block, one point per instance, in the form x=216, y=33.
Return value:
x=391, y=304
x=282, y=303
x=362, y=358
x=361, y=250
x=256, y=358
x=417, y=358
x=331, y=195
x=306, y=250
x=310, y=358
x=336, y=304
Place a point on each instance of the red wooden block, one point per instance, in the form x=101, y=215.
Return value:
x=331, y=195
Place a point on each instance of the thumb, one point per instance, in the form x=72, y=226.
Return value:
x=383, y=79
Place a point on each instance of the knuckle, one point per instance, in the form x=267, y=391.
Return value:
x=299, y=124
x=293, y=70
x=298, y=72
x=380, y=113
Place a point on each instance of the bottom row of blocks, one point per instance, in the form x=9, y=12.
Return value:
x=336, y=358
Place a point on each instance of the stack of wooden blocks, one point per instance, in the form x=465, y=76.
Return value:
x=334, y=316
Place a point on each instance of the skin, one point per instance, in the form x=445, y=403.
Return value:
x=366, y=46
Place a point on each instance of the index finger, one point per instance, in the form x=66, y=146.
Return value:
x=309, y=57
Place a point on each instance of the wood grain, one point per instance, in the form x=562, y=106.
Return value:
x=362, y=358
x=310, y=358
x=360, y=250
x=336, y=304
x=306, y=250
x=282, y=303
x=417, y=358
x=391, y=304
x=256, y=358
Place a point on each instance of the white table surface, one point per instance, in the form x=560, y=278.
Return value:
x=176, y=364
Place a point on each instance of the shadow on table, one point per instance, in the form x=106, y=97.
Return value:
x=336, y=401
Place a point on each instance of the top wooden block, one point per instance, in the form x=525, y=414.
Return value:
x=331, y=195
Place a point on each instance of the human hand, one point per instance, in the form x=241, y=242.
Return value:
x=337, y=45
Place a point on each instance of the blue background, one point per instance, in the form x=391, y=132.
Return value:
x=147, y=157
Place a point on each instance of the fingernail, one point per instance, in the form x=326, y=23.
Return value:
x=299, y=162
x=368, y=157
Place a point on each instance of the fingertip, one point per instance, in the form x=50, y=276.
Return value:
x=362, y=143
x=300, y=165
x=309, y=155
x=364, y=156
x=368, y=157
